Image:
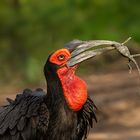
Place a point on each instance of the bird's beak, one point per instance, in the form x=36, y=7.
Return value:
x=83, y=50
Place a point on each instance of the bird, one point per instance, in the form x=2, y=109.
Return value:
x=64, y=111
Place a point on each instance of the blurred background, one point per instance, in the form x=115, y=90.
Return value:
x=30, y=30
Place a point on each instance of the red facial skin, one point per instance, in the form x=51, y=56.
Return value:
x=54, y=58
x=75, y=89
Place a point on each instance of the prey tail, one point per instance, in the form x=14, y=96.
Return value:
x=134, y=61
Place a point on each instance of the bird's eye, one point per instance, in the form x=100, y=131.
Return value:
x=61, y=57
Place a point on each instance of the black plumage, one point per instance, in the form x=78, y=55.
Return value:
x=27, y=118
x=37, y=115
x=21, y=119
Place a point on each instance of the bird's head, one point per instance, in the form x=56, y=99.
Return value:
x=61, y=66
x=73, y=53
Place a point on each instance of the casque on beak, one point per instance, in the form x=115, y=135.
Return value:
x=83, y=50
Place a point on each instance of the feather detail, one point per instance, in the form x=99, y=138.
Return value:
x=86, y=116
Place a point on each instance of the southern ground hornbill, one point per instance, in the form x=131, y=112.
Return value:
x=65, y=112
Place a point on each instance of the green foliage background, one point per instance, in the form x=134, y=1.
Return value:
x=31, y=29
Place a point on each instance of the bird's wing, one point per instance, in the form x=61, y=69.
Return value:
x=24, y=118
x=86, y=116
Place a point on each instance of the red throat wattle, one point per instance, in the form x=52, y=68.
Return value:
x=75, y=89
